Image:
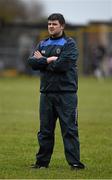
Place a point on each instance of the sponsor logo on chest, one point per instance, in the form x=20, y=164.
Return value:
x=43, y=51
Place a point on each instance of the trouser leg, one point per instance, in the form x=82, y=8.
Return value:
x=67, y=111
x=46, y=134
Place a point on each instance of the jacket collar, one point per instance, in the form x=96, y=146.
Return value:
x=63, y=35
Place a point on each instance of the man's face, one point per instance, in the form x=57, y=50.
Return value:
x=55, y=29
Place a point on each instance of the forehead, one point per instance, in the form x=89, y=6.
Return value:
x=53, y=22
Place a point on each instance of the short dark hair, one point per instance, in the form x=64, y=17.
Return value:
x=57, y=16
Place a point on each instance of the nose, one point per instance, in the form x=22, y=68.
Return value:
x=51, y=25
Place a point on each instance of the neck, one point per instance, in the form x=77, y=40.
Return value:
x=57, y=35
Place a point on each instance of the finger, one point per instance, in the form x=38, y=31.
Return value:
x=36, y=52
x=35, y=56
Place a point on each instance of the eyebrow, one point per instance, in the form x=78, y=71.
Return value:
x=54, y=23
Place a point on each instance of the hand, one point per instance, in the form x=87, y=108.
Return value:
x=51, y=59
x=37, y=54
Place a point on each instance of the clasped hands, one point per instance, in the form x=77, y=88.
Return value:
x=38, y=55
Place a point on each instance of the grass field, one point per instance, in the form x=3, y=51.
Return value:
x=19, y=122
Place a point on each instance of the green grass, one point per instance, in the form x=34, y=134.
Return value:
x=19, y=122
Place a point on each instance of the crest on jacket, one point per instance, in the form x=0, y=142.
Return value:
x=58, y=50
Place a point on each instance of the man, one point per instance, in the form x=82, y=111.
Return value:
x=56, y=58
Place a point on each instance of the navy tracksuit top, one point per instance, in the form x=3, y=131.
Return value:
x=59, y=75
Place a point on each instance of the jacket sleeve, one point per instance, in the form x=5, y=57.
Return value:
x=37, y=64
x=67, y=58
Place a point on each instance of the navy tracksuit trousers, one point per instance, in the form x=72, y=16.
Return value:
x=62, y=106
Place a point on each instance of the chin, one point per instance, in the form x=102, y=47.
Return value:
x=52, y=34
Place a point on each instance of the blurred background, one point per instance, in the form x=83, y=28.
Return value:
x=23, y=23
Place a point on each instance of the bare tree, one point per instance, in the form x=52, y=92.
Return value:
x=34, y=11
x=13, y=10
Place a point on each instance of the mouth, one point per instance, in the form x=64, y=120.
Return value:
x=51, y=30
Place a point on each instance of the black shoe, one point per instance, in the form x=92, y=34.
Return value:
x=38, y=166
x=77, y=166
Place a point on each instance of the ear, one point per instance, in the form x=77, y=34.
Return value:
x=62, y=27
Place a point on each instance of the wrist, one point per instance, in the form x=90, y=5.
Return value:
x=51, y=59
x=48, y=60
